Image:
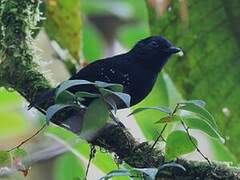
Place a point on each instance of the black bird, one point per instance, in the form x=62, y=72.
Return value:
x=136, y=70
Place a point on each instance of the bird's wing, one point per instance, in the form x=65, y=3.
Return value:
x=108, y=70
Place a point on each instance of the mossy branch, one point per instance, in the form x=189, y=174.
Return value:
x=18, y=71
x=17, y=67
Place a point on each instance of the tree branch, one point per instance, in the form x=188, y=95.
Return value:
x=18, y=71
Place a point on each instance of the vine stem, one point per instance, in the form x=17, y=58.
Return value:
x=190, y=138
x=28, y=139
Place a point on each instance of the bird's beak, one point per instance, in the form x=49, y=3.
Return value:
x=174, y=50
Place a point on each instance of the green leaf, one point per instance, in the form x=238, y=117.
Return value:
x=52, y=110
x=70, y=83
x=202, y=124
x=5, y=159
x=111, y=86
x=95, y=118
x=221, y=152
x=169, y=119
x=116, y=173
x=196, y=102
x=116, y=96
x=66, y=97
x=63, y=24
x=162, y=109
x=83, y=94
x=177, y=144
x=200, y=111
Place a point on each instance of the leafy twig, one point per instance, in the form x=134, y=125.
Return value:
x=164, y=127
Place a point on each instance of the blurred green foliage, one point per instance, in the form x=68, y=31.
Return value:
x=12, y=119
x=63, y=24
x=209, y=70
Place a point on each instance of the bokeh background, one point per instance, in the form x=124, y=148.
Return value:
x=77, y=32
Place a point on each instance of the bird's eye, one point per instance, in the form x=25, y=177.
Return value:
x=154, y=44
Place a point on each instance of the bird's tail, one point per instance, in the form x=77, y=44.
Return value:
x=43, y=100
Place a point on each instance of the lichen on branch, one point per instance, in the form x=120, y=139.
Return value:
x=18, y=69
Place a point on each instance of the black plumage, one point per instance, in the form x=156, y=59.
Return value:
x=136, y=70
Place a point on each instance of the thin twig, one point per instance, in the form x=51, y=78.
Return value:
x=28, y=139
x=159, y=136
x=175, y=109
x=91, y=156
x=190, y=138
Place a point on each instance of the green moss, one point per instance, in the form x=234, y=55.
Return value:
x=18, y=69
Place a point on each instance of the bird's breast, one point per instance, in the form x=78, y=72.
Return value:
x=139, y=85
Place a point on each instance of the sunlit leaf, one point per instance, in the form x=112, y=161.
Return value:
x=202, y=124
x=196, y=102
x=200, y=111
x=161, y=109
x=177, y=144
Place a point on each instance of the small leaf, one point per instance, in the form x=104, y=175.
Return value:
x=202, y=124
x=52, y=110
x=125, y=98
x=177, y=144
x=162, y=109
x=116, y=87
x=150, y=172
x=5, y=159
x=95, y=118
x=70, y=83
x=116, y=173
x=111, y=86
x=196, y=102
x=200, y=111
x=169, y=119
x=66, y=97
x=83, y=94
x=19, y=152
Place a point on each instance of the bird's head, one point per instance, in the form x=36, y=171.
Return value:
x=154, y=51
